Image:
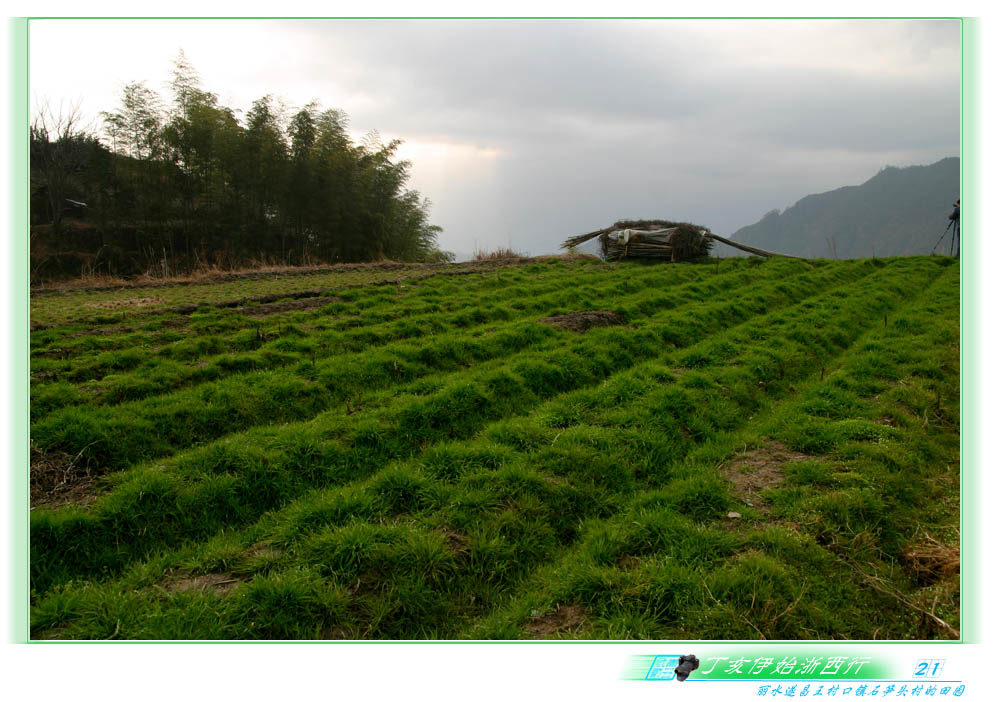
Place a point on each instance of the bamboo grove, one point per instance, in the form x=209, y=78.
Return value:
x=165, y=188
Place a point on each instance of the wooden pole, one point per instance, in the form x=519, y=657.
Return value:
x=749, y=249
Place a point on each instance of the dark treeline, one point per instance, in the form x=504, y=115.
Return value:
x=169, y=188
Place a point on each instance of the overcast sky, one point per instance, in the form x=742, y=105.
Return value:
x=525, y=132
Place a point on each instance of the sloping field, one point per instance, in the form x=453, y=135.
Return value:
x=759, y=449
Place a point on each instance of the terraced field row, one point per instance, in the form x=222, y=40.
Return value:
x=115, y=367
x=113, y=437
x=500, y=477
x=52, y=307
x=57, y=307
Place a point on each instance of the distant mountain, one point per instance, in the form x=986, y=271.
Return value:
x=898, y=212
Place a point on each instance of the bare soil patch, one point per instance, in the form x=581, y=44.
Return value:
x=581, y=321
x=284, y=297
x=131, y=302
x=759, y=469
x=102, y=331
x=59, y=479
x=219, y=583
x=565, y=618
x=287, y=305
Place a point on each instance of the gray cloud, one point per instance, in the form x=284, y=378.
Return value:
x=600, y=120
x=557, y=127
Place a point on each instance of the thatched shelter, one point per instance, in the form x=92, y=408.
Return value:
x=657, y=238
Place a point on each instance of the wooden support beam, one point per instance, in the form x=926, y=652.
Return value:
x=748, y=249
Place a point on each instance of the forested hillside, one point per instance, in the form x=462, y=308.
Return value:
x=169, y=187
x=898, y=212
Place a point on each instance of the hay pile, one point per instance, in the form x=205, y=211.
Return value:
x=657, y=238
x=649, y=238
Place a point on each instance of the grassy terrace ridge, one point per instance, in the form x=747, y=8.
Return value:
x=52, y=306
x=231, y=339
x=352, y=451
x=760, y=449
x=100, y=434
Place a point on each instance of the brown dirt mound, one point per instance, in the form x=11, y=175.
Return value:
x=58, y=479
x=220, y=583
x=565, y=618
x=761, y=468
x=581, y=321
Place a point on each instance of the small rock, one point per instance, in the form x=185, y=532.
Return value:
x=734, y=515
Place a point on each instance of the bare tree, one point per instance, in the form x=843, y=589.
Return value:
x=59, y=146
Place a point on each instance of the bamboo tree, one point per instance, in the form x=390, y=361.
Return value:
x=195, y=178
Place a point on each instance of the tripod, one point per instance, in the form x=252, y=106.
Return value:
x=954, y=227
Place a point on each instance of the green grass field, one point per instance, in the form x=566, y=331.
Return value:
x=760, y=449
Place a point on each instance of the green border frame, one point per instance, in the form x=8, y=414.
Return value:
x=18, y=283
x=969, y=302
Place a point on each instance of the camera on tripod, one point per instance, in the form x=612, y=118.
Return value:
x=953, y=225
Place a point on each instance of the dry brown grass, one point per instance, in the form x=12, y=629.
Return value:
x=502, y=254
x=208, y=274
x=931, y=560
